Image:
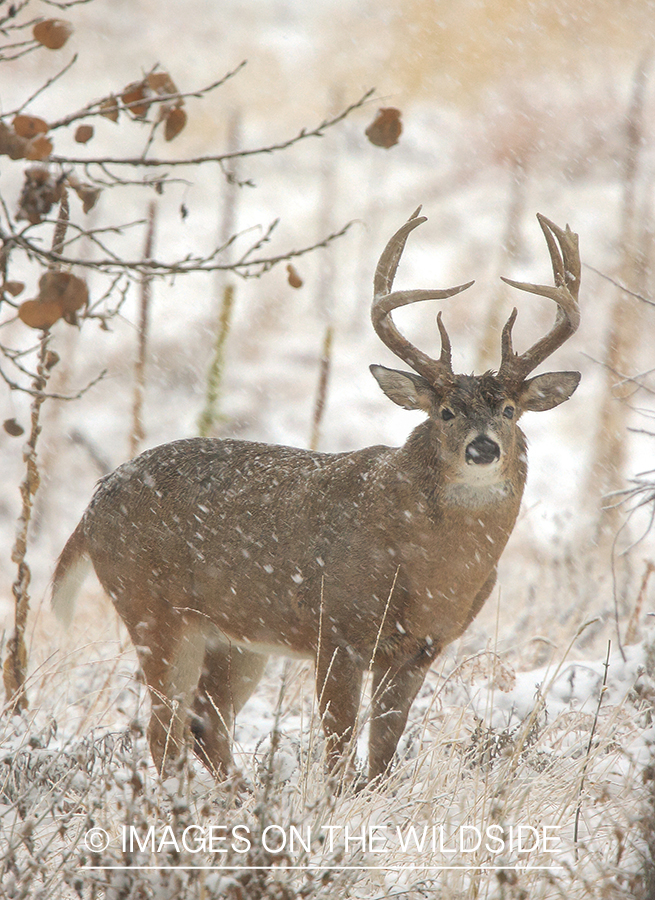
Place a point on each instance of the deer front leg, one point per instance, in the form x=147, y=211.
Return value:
x=338, y=687
x=393, y=694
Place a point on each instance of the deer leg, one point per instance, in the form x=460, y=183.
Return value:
x=338, y=687
x=170, y=648
x=229, y=676
x=393, y=694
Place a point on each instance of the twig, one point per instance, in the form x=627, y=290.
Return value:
x=138, y=434
x=245, y=268
x=215, y=376
x=591, y=739
x=43, y=87
x=91, y=109
x=321, y=393
x=15, y=665
x=620, y=286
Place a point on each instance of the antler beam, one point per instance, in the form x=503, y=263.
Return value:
x=565, y=260
x=385, y=301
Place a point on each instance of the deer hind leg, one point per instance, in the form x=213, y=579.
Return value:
x=170, y=648
x=393, y=694
x=338, y=687
x=229, y=676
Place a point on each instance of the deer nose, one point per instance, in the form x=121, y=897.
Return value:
x=482, y=451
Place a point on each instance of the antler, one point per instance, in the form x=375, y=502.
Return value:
x=565, y=260
x=385, y=302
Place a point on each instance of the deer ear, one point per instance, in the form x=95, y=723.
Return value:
x=404, y=388
x=547, y=391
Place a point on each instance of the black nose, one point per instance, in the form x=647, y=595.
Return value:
x=482, y=451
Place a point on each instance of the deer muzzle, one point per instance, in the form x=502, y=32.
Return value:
x=482, y=451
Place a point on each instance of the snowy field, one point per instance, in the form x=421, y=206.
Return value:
x=541, y=715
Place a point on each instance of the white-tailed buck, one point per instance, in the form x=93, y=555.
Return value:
x=217, y=553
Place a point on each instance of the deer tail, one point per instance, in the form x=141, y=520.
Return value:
x=70, y=572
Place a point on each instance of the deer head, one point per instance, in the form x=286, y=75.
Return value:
x=474, y=418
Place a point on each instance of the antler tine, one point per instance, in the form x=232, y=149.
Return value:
x=565, y=260
x=387, y=266
x=385, y=302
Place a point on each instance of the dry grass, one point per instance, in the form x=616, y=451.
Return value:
x=79, y=760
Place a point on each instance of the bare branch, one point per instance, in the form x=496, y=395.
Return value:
x=45, y=395
x=319, y=131
x=44, y=86
x=92, y=109
x=620, y=286
x=245, y=267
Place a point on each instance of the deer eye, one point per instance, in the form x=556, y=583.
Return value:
x=508, y=412
x=447, y=414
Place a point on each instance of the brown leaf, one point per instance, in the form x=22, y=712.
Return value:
x=12, y=427
x=52, y=33
x=29, y=126
x=87, y=194
x=386, y=128
x=65, y=289
x=40, y=148
x=175, y=122
x=161, y=83
x=109, y=109
x=293, y=277
x=132, y=94
x=39, y=314
x=83, y=133
x=11, y=144
x=40, y=191
x=51, y=359
x=13, y=287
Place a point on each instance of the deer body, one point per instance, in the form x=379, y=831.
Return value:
x=218, y=552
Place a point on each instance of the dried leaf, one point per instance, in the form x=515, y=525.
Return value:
x=51, y=359
x=83, y=133
x=13, y=287
x=52, y=33
x=386, y=128
x=88, y=195
x=40, y=191
x=11, y=144
x=131, y=96
x=161, y=83
x=65, y=289
x=109, y=108
x=29, y=126
x=38, y=314
x=175, y=122
x=40, y=148
x=293, y=278
x=12, y=427
x=504, y=676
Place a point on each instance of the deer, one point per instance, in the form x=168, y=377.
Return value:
x=217, y=553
